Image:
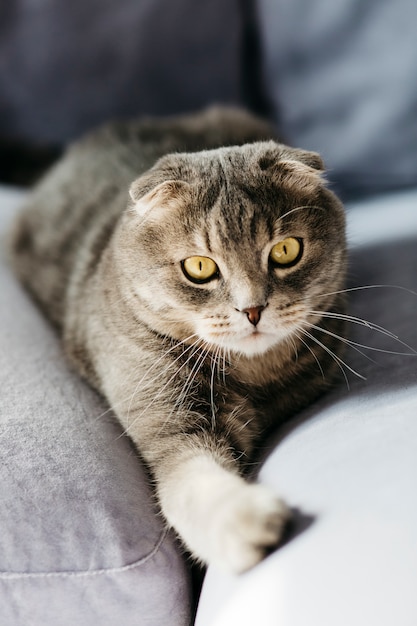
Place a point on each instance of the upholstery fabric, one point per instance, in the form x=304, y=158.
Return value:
x=348, y=464
x=80, y=538
x=342, y=80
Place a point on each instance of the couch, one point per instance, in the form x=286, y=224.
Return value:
x=81, y=541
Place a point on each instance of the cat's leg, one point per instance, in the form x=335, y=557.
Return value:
x=224, y=520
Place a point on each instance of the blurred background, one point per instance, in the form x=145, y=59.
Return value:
x=337, y=77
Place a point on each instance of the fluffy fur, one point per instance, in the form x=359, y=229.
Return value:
x=197, y=372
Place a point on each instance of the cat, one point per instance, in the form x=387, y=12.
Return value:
x=187, y=264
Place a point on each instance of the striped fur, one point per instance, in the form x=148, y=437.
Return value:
x=194, y=383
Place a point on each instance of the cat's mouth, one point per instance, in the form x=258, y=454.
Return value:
x=249, y=343
x=257, y=341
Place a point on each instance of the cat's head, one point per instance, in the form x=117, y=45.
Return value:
x=235, y=246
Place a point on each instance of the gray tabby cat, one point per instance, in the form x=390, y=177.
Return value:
x=192, y=299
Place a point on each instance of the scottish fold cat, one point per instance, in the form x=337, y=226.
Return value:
x=193, y=267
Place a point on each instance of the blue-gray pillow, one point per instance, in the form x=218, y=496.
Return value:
x=342, y=79
x=68, y=66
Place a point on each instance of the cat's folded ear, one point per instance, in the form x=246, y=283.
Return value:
x=312, y=159
x=164, y=196
x=294, y=169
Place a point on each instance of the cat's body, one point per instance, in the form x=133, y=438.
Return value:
x=184, y=310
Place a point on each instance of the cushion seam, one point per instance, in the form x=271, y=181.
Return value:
x=88, y=573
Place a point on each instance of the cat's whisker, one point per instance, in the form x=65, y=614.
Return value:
x=244, y=425
x=214, y=362
x=343, y=340
x=107, y=411
x=181, y=396
x=240, y=455
x=340, y=362
x=154, y=365
x=293, y=345
x=194, y=371
x=331, y=353
x=174, y=345
x=362, y=322
x=233, y=419
x=226, y=361
x=160, y=374
x=178, y=404
x=364, y=287
x=355, y=345
x=162, y=389
x=354, y=320
x=155, y=398
x=310, y=349
x=221, y=361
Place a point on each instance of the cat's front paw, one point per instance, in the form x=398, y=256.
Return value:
x=252, y=523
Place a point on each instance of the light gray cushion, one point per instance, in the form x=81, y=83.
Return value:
x=342, y=79
x=349, y=463
x=80, y=541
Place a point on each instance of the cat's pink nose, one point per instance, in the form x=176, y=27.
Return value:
x=254, y=314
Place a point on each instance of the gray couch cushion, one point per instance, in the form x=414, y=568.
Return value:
x=348, y=463
x=71, y=65
x=342, y=77
x=80, y=541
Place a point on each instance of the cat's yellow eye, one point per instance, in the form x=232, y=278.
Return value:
x=286, y=252
x=199, y=269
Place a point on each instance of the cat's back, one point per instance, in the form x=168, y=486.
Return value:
x=79, y=198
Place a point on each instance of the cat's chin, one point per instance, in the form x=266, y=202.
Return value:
x=253, y=344
x=256, y=344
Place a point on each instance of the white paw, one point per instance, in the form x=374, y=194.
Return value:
x=222, y=519
x=251, y=522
